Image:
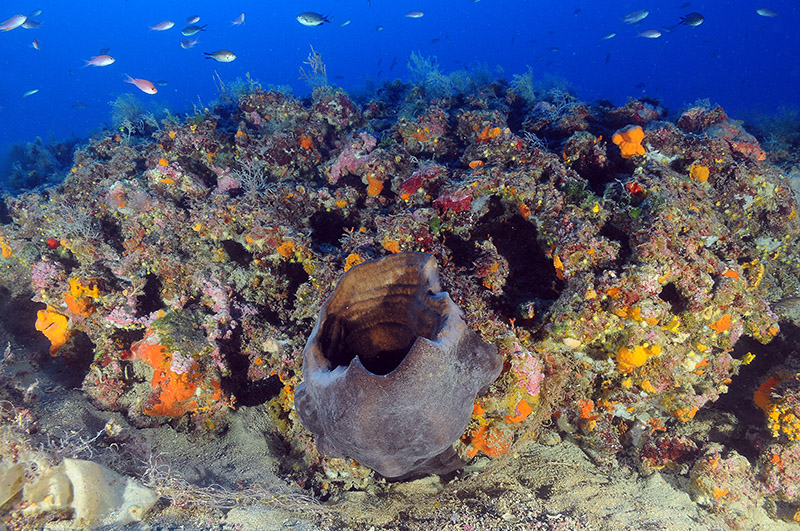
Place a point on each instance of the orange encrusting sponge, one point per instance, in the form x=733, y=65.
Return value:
x=54, y=326
x=629, y=140
x=177, y=391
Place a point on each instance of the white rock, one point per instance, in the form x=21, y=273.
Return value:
x=95, y=494
x=12, y=477
x=51, y=491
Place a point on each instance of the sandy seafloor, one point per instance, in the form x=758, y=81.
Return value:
x=548, y=487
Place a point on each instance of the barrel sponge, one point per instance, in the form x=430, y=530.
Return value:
x=391, y=370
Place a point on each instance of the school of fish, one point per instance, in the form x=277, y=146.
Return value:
x=191, y=28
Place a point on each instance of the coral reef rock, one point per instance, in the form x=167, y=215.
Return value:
x=391, y=370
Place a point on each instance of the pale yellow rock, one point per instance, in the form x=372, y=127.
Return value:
x=101, y=496
x=12, y=477
x=51, y=491
x=94, y=494
x=571, y=342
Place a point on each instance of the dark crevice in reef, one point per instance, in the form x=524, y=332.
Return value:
x=69, y=262
x=610, y=232
x=670, y=294
x=112, y=235
x=247, y=392
x=738, y=401
x=183, y=204
x=327, y=228
x=141, y=167
x=462, y=252
x=17, y=314
x=597, y=176
x=269, y=316
x=237, y=252
x=531, y=277
x=256, y=393
x=123, y=338
x=5, y=217
x=150, y=300
x=294, y=272
x=73, y=361
x=200, y=170
x=531, y=273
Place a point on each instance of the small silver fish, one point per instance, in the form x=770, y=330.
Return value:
x=345, y=23
x=650, y=34
x=188, y=31
x=223, y=56
x=30, y=93
x=100, y=60
x=766, y=12
x=608, y=36
x=31, y=24
x=142, y=84
x=188, y=44
x=13, y=22
x=239, y=20
x=162, y=26
x=415, y=14
x=309, y=18
x=194, y=19
x=636, y=16
x=692, y=19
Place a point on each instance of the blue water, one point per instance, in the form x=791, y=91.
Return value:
x=743, y=61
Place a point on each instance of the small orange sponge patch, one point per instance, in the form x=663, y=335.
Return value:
x=699, y=173
x=54, y=326
x=80, y=298
x=177, y=391
x=374, y=185
x=629, y=359
x=489, y=440
x=629, y=140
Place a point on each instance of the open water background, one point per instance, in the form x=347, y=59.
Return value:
x=743, y=61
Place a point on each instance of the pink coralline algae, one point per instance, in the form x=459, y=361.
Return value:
x=47, y=274
x=724, y=482
x=353, y=158
x=529, y=369
x=181, y=364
